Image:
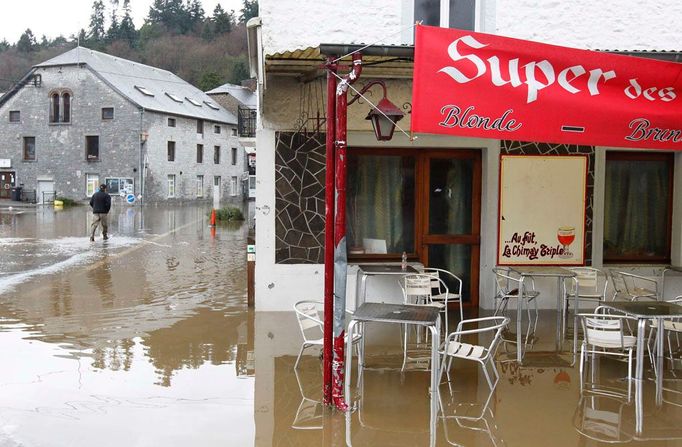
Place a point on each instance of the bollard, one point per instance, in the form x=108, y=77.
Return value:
x=212, y=218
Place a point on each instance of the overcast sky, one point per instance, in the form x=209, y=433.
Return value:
x=66, y=17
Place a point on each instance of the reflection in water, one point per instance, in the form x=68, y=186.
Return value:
x=101, y=325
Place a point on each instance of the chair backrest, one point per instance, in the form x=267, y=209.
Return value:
x=636, y=285
x=452, y=281
x=491, y=325
x=418, y=288
x=310, y=316
x=591, y=281
x=618, y=284
x=506, y=284
x=603, y=330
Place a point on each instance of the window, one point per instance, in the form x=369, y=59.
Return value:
x=211, y=105
x=92, y=148
x=60, y=107
x=216, y=181
x=216, y=129
x=171, y=122
x=107, y=113
x=234, y=186
x=120, y=185
x=91, y=184
x=216, y=155
x=234, y=156
x=29, y=148
x=638, y=207
x=200, y=126
x=461, y=13
x=234, y=131
x=145, y=91
x=193, y=101
x=200, y=186
x=171, y=151
x=14, y=116
x=200, y=153
x=175, y=98
x=171, y=185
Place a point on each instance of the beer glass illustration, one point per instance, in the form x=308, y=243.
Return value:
x=566, y=236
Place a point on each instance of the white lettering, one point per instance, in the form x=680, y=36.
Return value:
x=667, y=94
x=576, y=71
x=534, y=86
x=595, y=75
x=633, y=90
x=454, y=54
x=496, y=73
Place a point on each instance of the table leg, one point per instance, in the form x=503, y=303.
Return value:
x=435, y=368
x=576, y=311
x=639, y=375
x=559, y=320
x=659, y=360
x=349, y=363
x=519, y=346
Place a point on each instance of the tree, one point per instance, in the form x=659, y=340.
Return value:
x=239, y=72
x=195, y=14
x=27, y=42
x=114, y=28
x=209, y=80
x=248, y=11
x=222, y=21
x=127, y=31
x=4, y=45
x=97, y=21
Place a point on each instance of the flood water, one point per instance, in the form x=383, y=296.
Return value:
x=146, y=340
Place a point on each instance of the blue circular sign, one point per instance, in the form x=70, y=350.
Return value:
x=130, y=198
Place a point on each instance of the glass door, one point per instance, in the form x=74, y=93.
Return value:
x=451, y=191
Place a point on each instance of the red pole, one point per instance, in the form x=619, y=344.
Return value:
x=327, y=351
x=340, y=254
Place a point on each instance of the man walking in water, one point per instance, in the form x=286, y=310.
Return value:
x=101, y=204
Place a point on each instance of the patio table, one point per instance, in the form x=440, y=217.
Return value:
x=426, y=316
x=376, y=269
x=560, y=274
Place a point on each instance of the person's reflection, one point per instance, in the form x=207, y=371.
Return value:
x=100, y=277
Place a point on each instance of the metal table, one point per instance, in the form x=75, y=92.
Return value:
x=426, y=316
x=560, y=274
x=366, y=270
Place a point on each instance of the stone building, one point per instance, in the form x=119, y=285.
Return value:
x=85, y=118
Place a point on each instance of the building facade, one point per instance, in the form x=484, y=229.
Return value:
x=84, y=118
x=464, y=239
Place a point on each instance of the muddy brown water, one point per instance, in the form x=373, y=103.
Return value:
x=146, y=340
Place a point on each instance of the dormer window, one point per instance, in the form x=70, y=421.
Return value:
x=144, y=90
x=60, y=107
x=175, y=98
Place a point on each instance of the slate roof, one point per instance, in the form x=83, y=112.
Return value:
x=148, y=87
x=245, y=96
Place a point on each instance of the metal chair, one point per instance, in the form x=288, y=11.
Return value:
x=507, y=287
x=635, y=287
x=484, y=354
x=600, y=418
x=604, y=335
x=441, y=294
x=310, y=316
x=418, y=289
x=591, y=286
x=310, y=412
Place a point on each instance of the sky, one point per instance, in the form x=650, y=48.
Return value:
x=66, y=17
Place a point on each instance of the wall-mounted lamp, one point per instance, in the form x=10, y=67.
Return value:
x=384, y=116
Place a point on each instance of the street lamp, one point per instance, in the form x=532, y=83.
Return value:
x=384, y=115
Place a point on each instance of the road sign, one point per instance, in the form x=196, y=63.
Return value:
x=130, y=198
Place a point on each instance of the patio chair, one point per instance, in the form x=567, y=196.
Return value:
x=605, y=335
x=672, y=329
x=418, y=289
x=310, y=412
x=441, y=294
x=636, y=287
x=455, y=348
x=592, y=284
x=507, y=286
x=310, y=316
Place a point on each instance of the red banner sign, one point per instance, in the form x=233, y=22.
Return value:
x=488, y=86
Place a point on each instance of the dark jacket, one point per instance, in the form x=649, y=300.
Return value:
x=100, y=202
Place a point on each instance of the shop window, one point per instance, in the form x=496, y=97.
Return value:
x=216, y=155
x=29, y=148
x=200, y=153
x=107, y=113
x=381, y=204
x=171, y=151
x=120, y=185
x=92, y=148
x=638, y=207
x=14, y=116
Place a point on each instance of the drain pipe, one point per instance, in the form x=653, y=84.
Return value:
x=340, y=254
x=327, y=351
